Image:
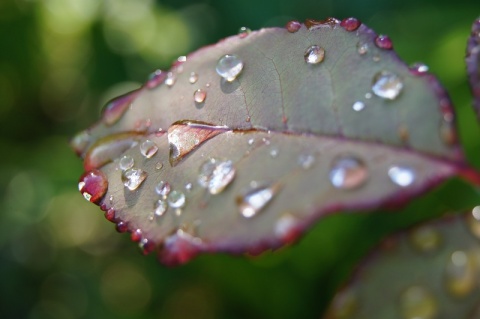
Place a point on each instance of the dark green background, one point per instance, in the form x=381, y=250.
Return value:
x=60, y=60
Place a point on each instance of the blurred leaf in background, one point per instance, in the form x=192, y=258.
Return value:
x=61, y=60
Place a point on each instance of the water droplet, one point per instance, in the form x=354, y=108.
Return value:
x=402, y=176
x=312, y=24
x=170, y=79
x=473, y=221
x=159, y=166
x=460, y=274
x=188, y=187
x=136, y=235
x=160, y=207
x=416, y=302
x=362, y=48
x=314, y=54
x=155, y=79
x=306, y=161
x=148, y=148
x=358, y=106
x=383, y=42
x=176, y=199
x=387, y=85
x=163, y=188
x=256, y=199
x=251, y=141
x=350, y=24
x=114, y=110
x=244, y=32
x=199, y=96
x=348, y=172
x=121, y=227
x=147, y=246
x=229, y=67
x=287, y=228
x=80, y=142
x=133, y=178
x=182, y=59
x=425, y=239
x=293, y=26
x=126, y=162
x=274, y=152
x=110, y=215
x=193, y=78
x=418, y=69
x=93, y=185
x=368, y=95
x=216, y=175
x=376, y=58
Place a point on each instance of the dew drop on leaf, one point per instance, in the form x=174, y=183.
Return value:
x=243, y=32
x=133, y=178
x=402, y=176
x=163, y=188
x=176, y=199
x=306, y=161
x=199, y=96
x=358, y=106
x=418, y=69
x=229, y=67
x=93, y=185
x=362, y=48
x=293, y=26
x=126, y=162
x=215, y=175
x=387, y=85
x=350, y=24
x=314, y=54
x=193, y=78
x=160, y=207
x=255, y=199
x=155, y=79
x=148, y=148
x=348, y=172
x=170, y=79
x=383, y=42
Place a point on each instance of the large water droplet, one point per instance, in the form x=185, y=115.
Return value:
x=254, y=200
x=229, y=67
x=93, y=185
x=193, y=78
x=358, y=106
x=133, y=178
x=114, y=110
x=199, y=96
x=383, y=42
x=176, y=199
x=387, y=85
x=293, y=26
x=160, y=207
x=170, y=79
x=425, y=239
x=148, y=148
x=216, y=174
x=350, y=24
x=244, y=32
x=163, y=188
x=416, y=302
x=403, y=176
x=314, y=54
x=473, y=221
x=348, y=172
x=461, y=277
x=126, y=162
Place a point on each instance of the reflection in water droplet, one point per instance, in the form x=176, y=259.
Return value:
x=387, y=85
x=403, y=176
x=254, y=200
x=170, y=79
x=461, y=277
x=358, y=106
x=293, y=26
x=216, y=174
x=473, y=221
x=348, y=172
x=176, y=199
x=93, y=185
x=199, y=96
x=416, y=302
x=229, y=67
x=126, y=162
x=362, y=48
x=418, y=69
x=163, y=189
x=306, y=161
x=350, y=24
x=160, y=207
x=425, y=239
x=133, y=178
x=243, y=32
x=148, y=148
x=314, y=54
x=193, y=78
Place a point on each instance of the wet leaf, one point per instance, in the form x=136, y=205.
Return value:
x=473, y=64
x=262, y=134
x=430, y=271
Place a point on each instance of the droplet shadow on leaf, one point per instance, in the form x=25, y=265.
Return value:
x=229, y=87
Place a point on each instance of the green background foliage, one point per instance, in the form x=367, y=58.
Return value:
x=61, y=60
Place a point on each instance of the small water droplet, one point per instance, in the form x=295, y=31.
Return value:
x=159, y=166
x=358, y=106
x=146, y=246
x=251, y=141
x=121, y=227
x=314, y=54
x=376, y=58
x=348, y=172
x=402, y=176
x=473, y=221
x=287, y=228
x=362, y=48
x=244, y=32
x=136, y=235
x=80, y=142
x=383, y=42
x=110, y=215
x=215, y=175
x=293, y=26
x=193, y=78
x=274, y=152
x=170, y=79
x=160, y=208
x=350, y=24
x=133, y=178
x=306, y=161
x=461, y=277
x=387, y=85
x=229, y=67
x=416, y=302
x=368, y=95
x=126, y=162
x=163, y=188
x=93, y=185
x=176, y=199
x=155, y=79
x=418, y=69
x=256, y=199
x=188, y=187
x=182, y=59
x=425, y=239
x=199, y=96
x=148, y=148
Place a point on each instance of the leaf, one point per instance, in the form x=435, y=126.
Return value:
x=430, y=271
x=473, y=64
x=303, y=122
